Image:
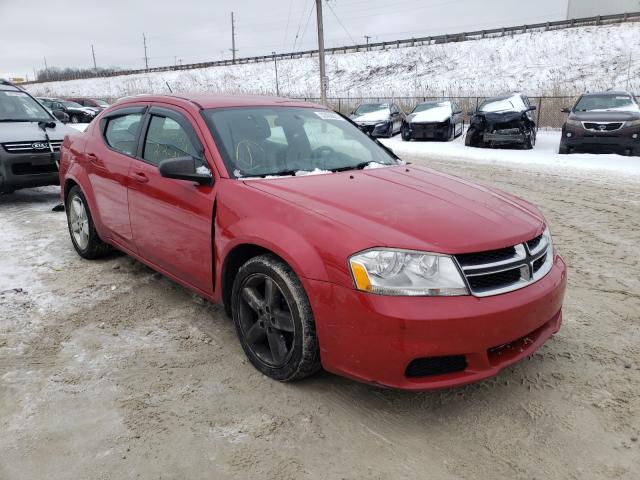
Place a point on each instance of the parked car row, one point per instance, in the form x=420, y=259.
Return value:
x=74, y=110
x=606, y=122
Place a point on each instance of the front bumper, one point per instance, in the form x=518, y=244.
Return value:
x=429, y=131
x=374, y=338
x=587, y=141
x=27, y=170
x=504, y=139
x=378, y=130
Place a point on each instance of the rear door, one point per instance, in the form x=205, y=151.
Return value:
x=172, y=219
x=109, y=157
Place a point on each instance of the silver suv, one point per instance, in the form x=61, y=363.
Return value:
x=30, y=139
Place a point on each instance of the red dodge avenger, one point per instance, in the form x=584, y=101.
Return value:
x=325, y=248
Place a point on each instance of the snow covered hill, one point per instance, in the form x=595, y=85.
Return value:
x=561, y=62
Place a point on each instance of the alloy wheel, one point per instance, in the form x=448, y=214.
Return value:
x=79, y=222
x=266, y=320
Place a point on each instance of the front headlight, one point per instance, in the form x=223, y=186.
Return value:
x=406, y=273
x=574, y=123
x=632, y=123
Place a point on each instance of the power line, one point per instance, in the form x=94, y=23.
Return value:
x=295, y=41
x=286, y=29
x=341, y=24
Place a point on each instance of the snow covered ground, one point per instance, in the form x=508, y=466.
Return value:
x=565, y=62
x=544, y=156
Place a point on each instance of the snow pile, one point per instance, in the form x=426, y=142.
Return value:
x=566, y=62
x=544, y=156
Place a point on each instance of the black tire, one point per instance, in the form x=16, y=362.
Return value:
x=277, y=331
x=390, y=134
x=471, y=138
x=405, y=134
x=529, y=141
x=452, y=134
x=563, y=150
x=74, y=119
x=95, y=247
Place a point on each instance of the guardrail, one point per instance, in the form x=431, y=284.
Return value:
x=410, y=42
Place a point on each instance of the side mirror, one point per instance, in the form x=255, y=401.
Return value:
x=532, y=108
x=565, y=110
x=184, y=168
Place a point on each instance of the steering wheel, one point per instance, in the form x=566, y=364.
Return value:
x=250, y=156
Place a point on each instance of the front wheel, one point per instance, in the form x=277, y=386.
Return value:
x=83, y=233
x=406, y=134
x=471, y=138
x=274, y=321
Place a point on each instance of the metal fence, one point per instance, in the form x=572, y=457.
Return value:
x=548, y=109
x=407, y=42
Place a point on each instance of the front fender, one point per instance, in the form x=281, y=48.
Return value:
x=296, y=250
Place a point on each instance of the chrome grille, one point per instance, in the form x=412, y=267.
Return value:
x=36, y=146
x=602, y=126
x=500, y=271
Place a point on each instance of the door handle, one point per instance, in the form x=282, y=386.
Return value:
x=140, y=177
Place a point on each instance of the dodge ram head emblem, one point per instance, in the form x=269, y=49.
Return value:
x=39, y=146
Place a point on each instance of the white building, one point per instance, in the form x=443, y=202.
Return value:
x=593, y=8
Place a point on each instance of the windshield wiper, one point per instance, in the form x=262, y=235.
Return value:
x=358, y=166
x=35, y=120
x=281, y=173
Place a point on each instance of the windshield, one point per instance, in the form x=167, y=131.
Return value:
x=592, y=103
x=421, y=107
x=371, y=107
x=20, y=107
x=503, y=104
x=67, y=103
x=270, y=141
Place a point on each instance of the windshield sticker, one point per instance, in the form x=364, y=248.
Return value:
x=326, y=115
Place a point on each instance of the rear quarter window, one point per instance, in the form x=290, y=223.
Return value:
x=121, y=133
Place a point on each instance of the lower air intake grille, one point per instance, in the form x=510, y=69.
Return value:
x=426, y=367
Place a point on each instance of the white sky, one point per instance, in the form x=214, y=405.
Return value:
x=199, y=30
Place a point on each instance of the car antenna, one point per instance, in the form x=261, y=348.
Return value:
x=44, y=126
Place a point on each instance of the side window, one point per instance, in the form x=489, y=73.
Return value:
x=166, y=138
x=121, y=133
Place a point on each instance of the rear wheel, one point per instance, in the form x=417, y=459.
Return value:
x=563, y=150
x=274, y=321
x=83, y=233
x=75, y=119
x=529, y=141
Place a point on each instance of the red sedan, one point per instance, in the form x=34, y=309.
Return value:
x=325, y=248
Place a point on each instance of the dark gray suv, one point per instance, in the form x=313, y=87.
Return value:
x=30, y=139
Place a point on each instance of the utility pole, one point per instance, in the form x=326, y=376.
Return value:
x=323, y=76
x=275, y=64
x=93, y=53
x=233, y=38
x=46, y=68
x=367, y=38
x=146, y=58
x=629, y=72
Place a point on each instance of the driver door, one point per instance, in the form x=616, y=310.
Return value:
x=172, y=219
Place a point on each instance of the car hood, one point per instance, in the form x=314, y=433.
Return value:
x=413, y=207
x=379, y=116
x=605, y=116
x=437, y=115
x=29, y=132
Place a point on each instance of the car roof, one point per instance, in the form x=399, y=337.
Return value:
x=610, y=92
x=203, y=100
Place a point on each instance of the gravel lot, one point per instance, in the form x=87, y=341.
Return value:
x=109, y=370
